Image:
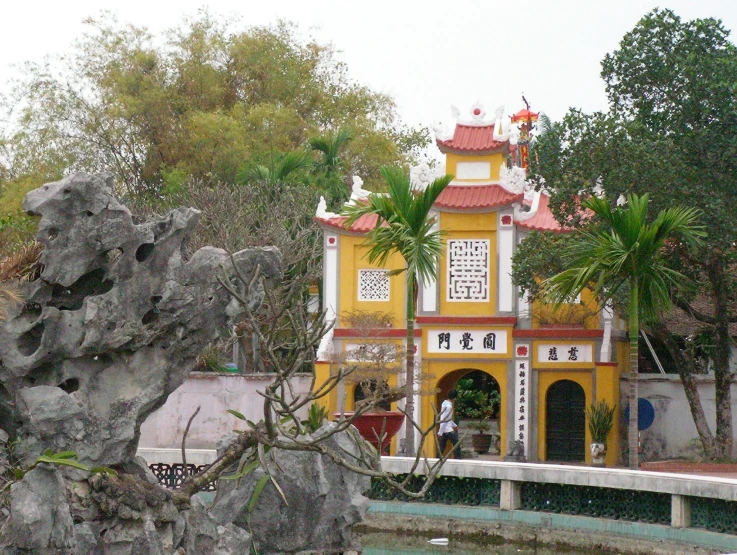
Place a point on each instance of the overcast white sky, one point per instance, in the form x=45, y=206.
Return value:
x=427, y=55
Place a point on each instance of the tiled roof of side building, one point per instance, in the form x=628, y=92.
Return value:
x=364, y=224
x=543, y=220
x=477, y=139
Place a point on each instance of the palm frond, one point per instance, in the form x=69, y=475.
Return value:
x=403, y=224
x=330, y=146
x=621, y=246
x=23, y=264
x=290, y=163
x=10, y=296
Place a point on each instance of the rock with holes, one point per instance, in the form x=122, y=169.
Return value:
x=324, y=500
x=113, y=324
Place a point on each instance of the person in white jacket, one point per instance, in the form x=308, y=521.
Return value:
x=449, y=429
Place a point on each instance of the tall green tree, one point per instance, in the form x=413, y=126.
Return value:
x=621, y=252
x=404, y=226
x=671, y=132
x=205, y=100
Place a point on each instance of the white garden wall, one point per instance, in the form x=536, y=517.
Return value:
x=673, y=433
x=215, y=393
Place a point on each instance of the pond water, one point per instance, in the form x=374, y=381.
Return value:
x=398, y=544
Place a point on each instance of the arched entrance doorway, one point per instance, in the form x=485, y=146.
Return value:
x=565, y=422
x=479, y=399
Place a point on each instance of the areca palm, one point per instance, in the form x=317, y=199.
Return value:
x=404, y=226
x=330, y=146
x=331, y=164
x=622, y=253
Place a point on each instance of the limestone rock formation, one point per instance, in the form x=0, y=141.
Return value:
x=113, y=325
x=324, y=501
x=40, y=516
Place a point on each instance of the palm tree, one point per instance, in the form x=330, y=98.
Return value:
x=621, y=253
x=329, y=146
x=403, y=226
x=284, y=170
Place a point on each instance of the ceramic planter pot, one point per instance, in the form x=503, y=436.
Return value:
x=481, y=443
x=370, y=424
x=598, y=454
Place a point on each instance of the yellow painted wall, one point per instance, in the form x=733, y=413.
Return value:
x=322, y=373
x=439, y=369
x=622, y=348
x=352, y=259
x=546, y=378
x=468, y=226
x=607, y=389
x=496, y=160
x=585, y=312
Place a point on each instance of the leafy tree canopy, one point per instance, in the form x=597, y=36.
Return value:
x=206, y=100
x=671, y=132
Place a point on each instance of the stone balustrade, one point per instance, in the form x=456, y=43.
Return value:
x=681, y=487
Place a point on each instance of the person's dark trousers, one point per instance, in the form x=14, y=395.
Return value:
x=453, y=438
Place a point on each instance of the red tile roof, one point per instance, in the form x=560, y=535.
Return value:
x=475, y=197
x=364, y=224
x=543, y=220
x=454, y=197
x=477, y=139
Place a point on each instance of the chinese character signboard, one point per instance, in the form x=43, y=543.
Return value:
x=522, y=392
x=477, y=342
x=565, y=353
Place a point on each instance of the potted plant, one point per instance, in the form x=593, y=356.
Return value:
x=600, y=418
x=477, y=408
x=369, y=366
x=481, y=440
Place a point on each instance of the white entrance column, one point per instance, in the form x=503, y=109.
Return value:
x=607, y=315
x=429, y=290
x=330, y=286
x=505, y=251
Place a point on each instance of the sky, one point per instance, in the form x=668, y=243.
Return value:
x=427, y=55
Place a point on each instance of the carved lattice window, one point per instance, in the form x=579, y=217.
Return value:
x=468, y=270
x=373, y=285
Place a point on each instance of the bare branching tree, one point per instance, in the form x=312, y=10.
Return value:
x=289, y=337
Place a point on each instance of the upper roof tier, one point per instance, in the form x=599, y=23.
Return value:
x=473, y=139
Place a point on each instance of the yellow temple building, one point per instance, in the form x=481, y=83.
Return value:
x=548, y=365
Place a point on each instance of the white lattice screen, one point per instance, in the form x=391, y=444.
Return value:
x=468, y=270
x=373, y=285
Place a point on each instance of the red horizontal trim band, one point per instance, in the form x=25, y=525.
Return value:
x=461, y=320
x=359, y=333
x=573, y=333
x=607, y=364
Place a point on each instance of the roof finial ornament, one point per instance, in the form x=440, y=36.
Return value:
x=322, y=210
x=478, y=113
x=357, y=191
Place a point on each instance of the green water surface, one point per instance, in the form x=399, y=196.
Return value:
x=398, y=544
